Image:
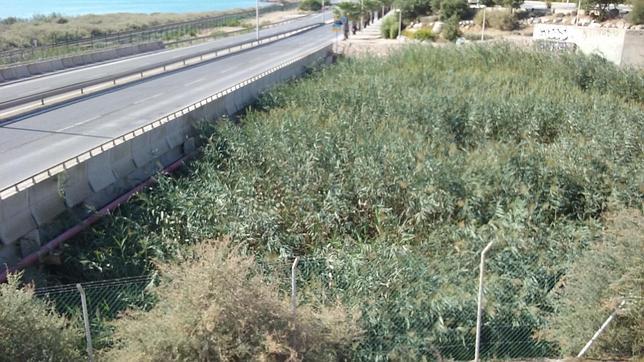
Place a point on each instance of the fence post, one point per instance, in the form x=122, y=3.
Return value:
x=479, y=309
x=293, y=288
x=88, y=334
x=600, y=330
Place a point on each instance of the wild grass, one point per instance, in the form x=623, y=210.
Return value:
x=399, y=171
x=45, y=29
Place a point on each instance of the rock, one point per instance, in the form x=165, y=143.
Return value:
x=620, y=24
x=639, y=27
x=417, y=26
x=438, y=27
x=594, y=25
x=558, y=21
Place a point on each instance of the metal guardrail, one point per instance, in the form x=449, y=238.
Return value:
x=16, y=56
x=140, y=73
x=71, y=162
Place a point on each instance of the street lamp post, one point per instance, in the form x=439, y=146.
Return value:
x=257, y=19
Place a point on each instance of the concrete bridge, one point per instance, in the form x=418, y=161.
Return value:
x=62, y=166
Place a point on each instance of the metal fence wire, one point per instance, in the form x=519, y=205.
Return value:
x=406, y=318
x=105, y=300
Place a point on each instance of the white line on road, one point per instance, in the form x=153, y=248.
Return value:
x=147, y=98
x=79, y=123
x=194, y=82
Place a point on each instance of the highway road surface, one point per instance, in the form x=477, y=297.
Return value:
x=34, y=143
x=31, y=86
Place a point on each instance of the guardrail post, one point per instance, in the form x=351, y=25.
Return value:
x=88, y=334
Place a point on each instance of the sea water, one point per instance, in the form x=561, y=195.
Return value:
x=29, y=8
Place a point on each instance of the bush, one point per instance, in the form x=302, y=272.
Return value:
x=215, y=306
x=451, y=8
x=497, y=19
x=30, y=330
x=389, y=27
x=424, y=34
x=637, y=13
x=412, y=9
x=451, y=29
x=612, y=270
x=311, y=5
x=400, y=184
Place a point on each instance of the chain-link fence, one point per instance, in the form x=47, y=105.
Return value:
x=407, y=312
x=104, y=301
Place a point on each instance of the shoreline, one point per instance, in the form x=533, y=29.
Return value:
x=36, y=16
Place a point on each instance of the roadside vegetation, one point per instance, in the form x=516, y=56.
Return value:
x=48, y=29
x=31, y=329
x=393, y=189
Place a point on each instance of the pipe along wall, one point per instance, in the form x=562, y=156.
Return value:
x=32, y=217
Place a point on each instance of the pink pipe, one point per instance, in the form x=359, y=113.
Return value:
x=75, y=230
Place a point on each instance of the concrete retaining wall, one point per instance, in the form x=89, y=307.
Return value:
x=620, y=46
x=32, y=215
x=48, y=66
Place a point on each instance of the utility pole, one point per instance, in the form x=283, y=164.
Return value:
x=257, y=19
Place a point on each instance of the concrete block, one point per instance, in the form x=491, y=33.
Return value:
x=171, y=156
x=175, y=132
x=99, y=172
x=30, y=243
x=75, y=185
x=149, y=146
x=189, y=146
x=9, y=255
x=121, y=160
x=45, y=201
x=15, y=218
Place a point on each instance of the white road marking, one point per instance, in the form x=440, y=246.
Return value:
x=79, y=123
x=147, y=98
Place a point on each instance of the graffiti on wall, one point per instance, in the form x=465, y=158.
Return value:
x=554, y=33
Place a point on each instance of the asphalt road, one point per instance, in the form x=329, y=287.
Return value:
x=41, y=84
x=35, y=143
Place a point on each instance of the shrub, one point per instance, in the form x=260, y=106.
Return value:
x=451, y=29
x=400, y=184
x=30, y=330
x=637, y=13
x=424, y=34
x=497, y=19
x=311, y=5
x=612, y=270
x=215, y=306
x=389, y=27
x=451, y=8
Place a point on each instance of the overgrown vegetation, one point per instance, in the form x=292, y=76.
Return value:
x=502, y=19
x=30, y=329
x=215, y=306
x=610, y=273
x=636, y=15
x=311, y=5
x=395, y=188
x=389, y=27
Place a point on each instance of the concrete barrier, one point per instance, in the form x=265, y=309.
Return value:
x=15, y=218
x=92, y=184
x=75, y=185
x=620, y=46
x=45, y=202
x=48, y=66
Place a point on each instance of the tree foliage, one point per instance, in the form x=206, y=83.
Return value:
x=30, y=329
